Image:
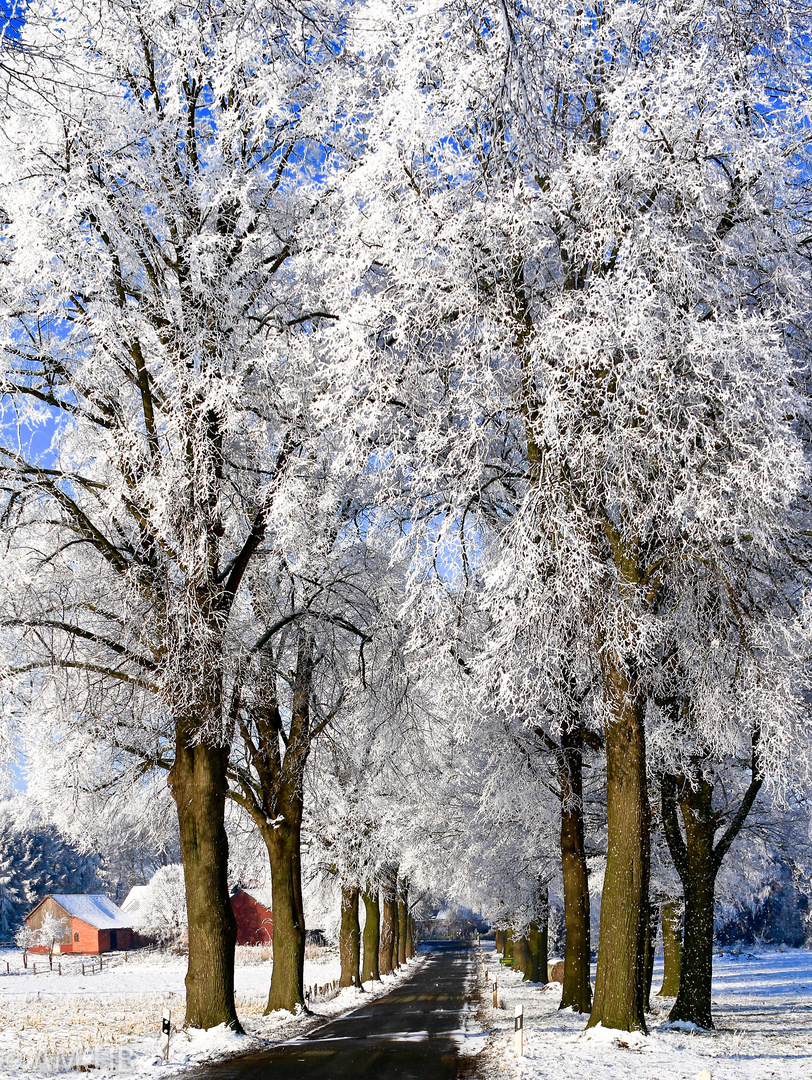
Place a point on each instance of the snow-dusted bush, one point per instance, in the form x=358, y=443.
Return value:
x=164, y=906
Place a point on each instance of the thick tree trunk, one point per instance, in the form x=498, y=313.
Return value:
x=283, y=841
x=577, y=991
x=521, y=955
x=349, y=944
x=403, y=920
x=651, y=945
x=409, y=936
x=388, y=955
x=539, y=932
x=672, y=947
x=693, y=1002
x=535, y=973
x=697, y=858
x=618, y=999
x=372, y=928
x=198, y=784
x=509, y=944
x=501, y=938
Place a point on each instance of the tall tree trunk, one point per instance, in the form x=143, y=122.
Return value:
x=403, y=919
x=283, y=841
x=509, y=944
x=521, y=954
x=651, y=945
x=543, y=926
x=388, y=955
x=197, y=781
x=533, y=973
x=501, y=938
x=618, y=999
x=697, y=858
x=693, y=1002
x=672, y=946
x=349, y=943
x=409, y=936
x=372, y=927
x=577, y=991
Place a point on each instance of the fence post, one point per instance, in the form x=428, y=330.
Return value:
x=494, y=993
x=518, y=1030
x=35, y=969
x=166, y=1027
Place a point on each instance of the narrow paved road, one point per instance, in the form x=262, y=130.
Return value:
x=406, y=1035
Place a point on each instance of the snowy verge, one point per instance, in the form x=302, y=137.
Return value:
x=762, y=1007
x=107, y=1023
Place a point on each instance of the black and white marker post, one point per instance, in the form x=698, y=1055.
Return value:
x=165, y=1029
x=518, y=1030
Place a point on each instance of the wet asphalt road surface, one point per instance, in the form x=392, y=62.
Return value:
x=405, y=1035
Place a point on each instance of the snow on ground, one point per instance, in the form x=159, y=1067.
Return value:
x=762, y=1010
x=107, y=1023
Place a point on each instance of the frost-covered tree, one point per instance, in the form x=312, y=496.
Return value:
x=164, y=909
x=582, y=233
x=51, y=932
x=36, y=859
x=164, y=172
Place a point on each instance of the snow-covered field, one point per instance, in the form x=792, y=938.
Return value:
x=108, y=1022
x=762, y=1009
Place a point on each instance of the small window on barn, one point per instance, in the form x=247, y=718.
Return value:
x=75, y=937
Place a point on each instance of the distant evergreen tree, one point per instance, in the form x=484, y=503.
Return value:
x=34, y=861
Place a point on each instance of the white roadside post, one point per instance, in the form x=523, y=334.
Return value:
x=165, y=1029
x=518, y=1030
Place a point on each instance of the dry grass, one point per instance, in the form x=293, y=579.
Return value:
x=253, y=954
x=43, y=1025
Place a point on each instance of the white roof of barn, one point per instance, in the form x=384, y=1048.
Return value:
x=137, y=900
x=94, y=909
x=262, y=896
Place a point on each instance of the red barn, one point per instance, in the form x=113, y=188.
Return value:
x=254, y=919
x=96, y=924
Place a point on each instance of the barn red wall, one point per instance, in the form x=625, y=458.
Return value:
x=88, y=943
x=254, y=921
x=91, y=941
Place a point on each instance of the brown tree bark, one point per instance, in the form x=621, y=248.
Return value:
x=534, y=970
x=349, y=942
x=697, y=858
x=509, y=944
x=403, y=920
x=409, y=936
x=672, y=946
x=501, y=938
x=198, y=783
x=372, y=926
x=577, y=991
x=653, y=920
x=388, y=953
x=618, y=1001
x=693, y=1002
x=275, y=800
x=539, y=931
x=521, y=954
x=283, y=842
